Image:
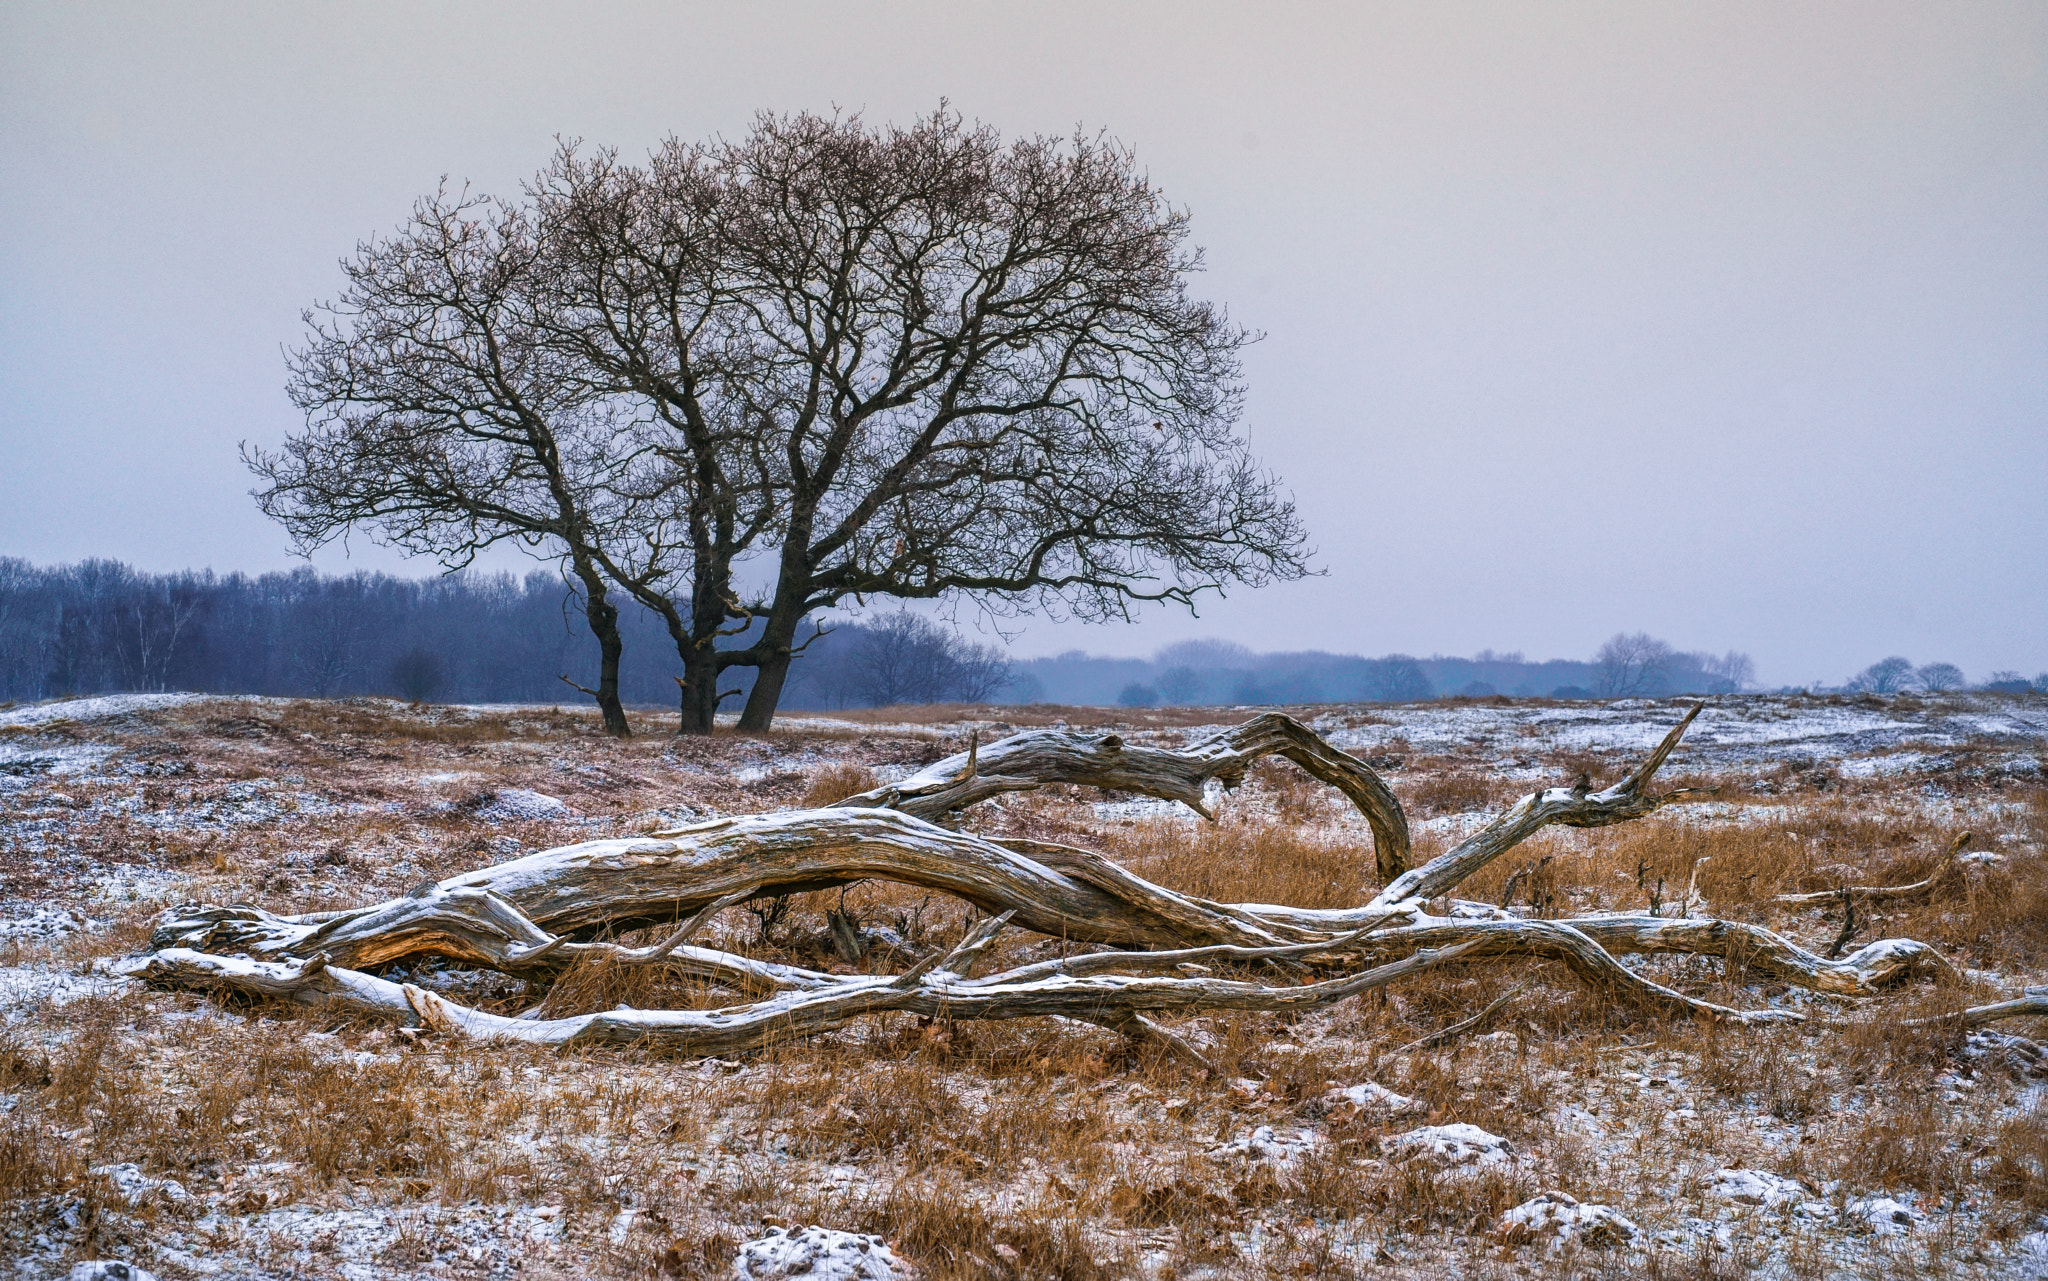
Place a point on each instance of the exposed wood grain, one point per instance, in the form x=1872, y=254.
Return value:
x=536, y=914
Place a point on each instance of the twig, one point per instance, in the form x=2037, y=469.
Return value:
x=661, y=951
x=1870, y=893
x=1462, y=1025
x=1848, y=923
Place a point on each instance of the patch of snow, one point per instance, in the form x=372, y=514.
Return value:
x=1570, y=1118
x=20, y=764
x=1267, y=1144
x=1885, y=766
x=21, y=986
x=1884, y=1216
x=1141, y=809
x=518, y=805
x=449, y=776
x=1454, y=827
x=81, y=710
x=107, y=1270
x=2030, y=1257
x=2025, y=1057
x=1752, y=731
x=1370, y=1096
x=1457, y=1144
x=823, y=1254
x=1555, y=1218
x=45, y=922
x=134, y=1186
x=1759, y=1187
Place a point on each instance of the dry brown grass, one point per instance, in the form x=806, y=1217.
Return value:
x=1261, y=862
x=1448, y=789
x=837, y=781
x=1035, y=1149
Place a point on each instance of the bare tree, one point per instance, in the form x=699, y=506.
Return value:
x=418, y=674
x=1397, y=678
x=155, y=617
x=1939, y=678
x=332, y=632
x=1734, y=667
x=1180, y=684
x=440, y=420
x=1630, y=664
x=903, y=657
x=1886, y=676
x=914, y=362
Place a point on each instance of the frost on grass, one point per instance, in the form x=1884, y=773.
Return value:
x=107, y=1270
x=1759, y=1187
x=1264, y=1143
x=1884, y=1215
x=519, y=805
x=1369, y=1098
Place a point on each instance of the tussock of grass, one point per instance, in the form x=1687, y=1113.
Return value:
x=837, y=781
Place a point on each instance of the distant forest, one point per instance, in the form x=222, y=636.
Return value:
x=100, y=626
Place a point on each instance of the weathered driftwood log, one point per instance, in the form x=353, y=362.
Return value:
x=494, y=916
x=535, y=914
x=1113, y=1000
x=1759, y=953
x=490, y=917
x=1037, y=757
x=1588, y=945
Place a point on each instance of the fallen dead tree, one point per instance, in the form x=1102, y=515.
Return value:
x=533, y=916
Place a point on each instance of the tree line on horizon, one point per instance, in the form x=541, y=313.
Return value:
x=100, y=626
x=103, y=627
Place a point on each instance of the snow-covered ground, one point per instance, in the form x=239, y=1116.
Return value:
x=111, y=808
x=1740, y=731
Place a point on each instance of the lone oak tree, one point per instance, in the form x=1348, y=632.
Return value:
x=440, y=418
x=912, y=362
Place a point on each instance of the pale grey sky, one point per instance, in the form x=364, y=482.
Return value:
x=1724, y=321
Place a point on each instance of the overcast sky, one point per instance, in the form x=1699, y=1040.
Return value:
x=1727, y=322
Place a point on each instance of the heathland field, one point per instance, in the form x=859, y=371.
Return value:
x=1505, y=1111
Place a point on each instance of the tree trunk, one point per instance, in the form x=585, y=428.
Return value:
x=699, y=713
x=604, y=624
x=767, y=692
x=775, y=646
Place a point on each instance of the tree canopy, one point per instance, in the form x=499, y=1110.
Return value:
x=910, y=362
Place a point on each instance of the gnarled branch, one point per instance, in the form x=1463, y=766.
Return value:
x=535, y=914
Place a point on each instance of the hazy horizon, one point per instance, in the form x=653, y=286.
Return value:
x=1727, y=324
